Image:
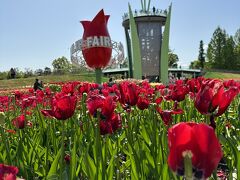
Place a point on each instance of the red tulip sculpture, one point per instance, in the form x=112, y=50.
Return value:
x=96, y=43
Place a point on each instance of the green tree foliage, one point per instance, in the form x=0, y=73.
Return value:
x=61, y=65
x=47, y=71
x=237, y=47
x=201, y=56
x=237, y=37
x=172, y=59
x=195, y=64
x=4, y=75
x=215, y=52
x=224, y=50
x=230, y=56
x=38, y=72
x=28, y=73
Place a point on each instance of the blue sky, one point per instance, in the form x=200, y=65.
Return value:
x=35, y=32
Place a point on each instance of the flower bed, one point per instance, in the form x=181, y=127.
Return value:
x=129, y=130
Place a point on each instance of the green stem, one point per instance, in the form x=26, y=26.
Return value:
x=98, y=73
x=62, y=153
x=98, y=147
x=6, y=143
x=188, y=164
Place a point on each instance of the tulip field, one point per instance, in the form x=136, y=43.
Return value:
x=125, y=130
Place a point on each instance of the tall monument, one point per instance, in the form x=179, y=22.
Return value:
x=144, y=37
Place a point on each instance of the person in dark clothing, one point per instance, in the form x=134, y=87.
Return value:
x=12, y=73
x=154, y=10
x=37, y=85
x=110, y=82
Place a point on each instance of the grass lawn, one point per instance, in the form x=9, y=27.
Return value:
x=221, y=75
x=28, y=82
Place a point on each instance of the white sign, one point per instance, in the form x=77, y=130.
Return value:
x=90, y=42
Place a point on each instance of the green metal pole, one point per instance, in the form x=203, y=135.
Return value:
x=130, y=62
x=148, y=8
x=164, y=50
x=98, y=72
x=135, y=45
x=142, y=4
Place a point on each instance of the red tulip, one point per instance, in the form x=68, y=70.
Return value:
x=19, y=122
x=110, y=125
x=178, y=91
x=109, y=121
x=193, y=85
x=143, y=103
x=28, y=102
x=67, y=158
x=63, y=107
x=18, y=94
x=128, y=93
x=105, y=105
x=4, y=103
x=8, y=172
x=11, y=131
x=159, y=100
x=166, y=115
x=198, y=139
x=96, y=48
x=69, y=88
x=212, y=96
x=94, y=102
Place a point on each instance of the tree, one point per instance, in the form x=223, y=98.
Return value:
x=61, y=64
x=230, y=55
x=172, y=59
x=237, y=47
x=201, y=56
x=28, y=73
x=215, y=52
x=237, y=37
x=39, y=72
x=195, y=64
x=47, y=71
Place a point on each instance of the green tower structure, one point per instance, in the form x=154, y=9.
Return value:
x=146, y=46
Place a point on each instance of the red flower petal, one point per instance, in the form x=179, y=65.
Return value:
x=201, y=140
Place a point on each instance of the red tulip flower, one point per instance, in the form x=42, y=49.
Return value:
x=67, y=158
x=20, y=122
x=105, y=105
x=18, y=94
x=143, y=103
x=178, y=91
x=212, y=96
x=63, y=107
x=109, y=121
x=8, y=172
x=166, y=115
x=111, y=124
x=202, y=143
x=193, y=85
x=96, y=46
x=128, y=93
